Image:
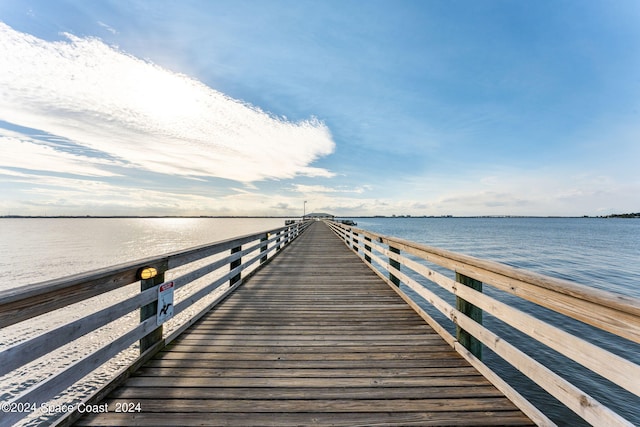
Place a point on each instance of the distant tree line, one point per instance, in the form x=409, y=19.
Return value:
x=626, y=215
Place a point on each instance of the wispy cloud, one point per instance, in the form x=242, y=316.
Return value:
x=108, y=27
x=60, y=195
x=311, y=189
x=143, y=115
x=23, y=152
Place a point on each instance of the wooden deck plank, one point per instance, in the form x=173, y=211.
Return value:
x=164, y=405
x=372, y=382
x=315, y=338
x=351, y=355
x=452, y=418
x=306, y=363
x=284, y=351
x=348, y=372
x=362, y=393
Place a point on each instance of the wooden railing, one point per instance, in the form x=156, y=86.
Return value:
x=226, y=260
x=403, y=262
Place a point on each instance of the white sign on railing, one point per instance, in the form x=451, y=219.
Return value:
x=165, y=302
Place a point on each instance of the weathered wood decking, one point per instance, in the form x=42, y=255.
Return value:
x=314, y=338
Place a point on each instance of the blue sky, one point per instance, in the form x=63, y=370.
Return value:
x=358, y=107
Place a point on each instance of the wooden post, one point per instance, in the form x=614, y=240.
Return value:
x=367, y=249
x=278, y=241
x=354, y=240
x=263, y=248
x=235, y=264
x=395, y=264
x=465, y=338
x=151, y=310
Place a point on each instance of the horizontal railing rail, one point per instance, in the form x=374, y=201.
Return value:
x=25, y=303
x=399, y=261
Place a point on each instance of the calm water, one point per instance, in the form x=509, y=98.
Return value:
x=601, y=253
x=33, y=249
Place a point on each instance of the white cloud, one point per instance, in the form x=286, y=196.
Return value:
x=78, y=196
x=26, y=153
x=61, y=195
x=506, y=191
x=103, y=99
x=311, y=189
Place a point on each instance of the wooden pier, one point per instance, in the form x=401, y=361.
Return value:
x=315, y=323
x=314, y=338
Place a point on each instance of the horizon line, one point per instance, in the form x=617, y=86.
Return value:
x=625, y=215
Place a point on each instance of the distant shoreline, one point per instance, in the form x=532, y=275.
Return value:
x=143, y=216
x=626, y=215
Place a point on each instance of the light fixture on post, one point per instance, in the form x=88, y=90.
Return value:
x=304, y=209
x=147, y=273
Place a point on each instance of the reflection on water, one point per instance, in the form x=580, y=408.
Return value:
x=34, y=250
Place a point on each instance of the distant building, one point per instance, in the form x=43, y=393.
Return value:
x=319, y=216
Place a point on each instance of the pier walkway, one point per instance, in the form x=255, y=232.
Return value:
x=313, y=338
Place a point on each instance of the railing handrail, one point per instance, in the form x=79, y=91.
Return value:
x=624, y=303
x=618, y=314
x=30, y=300
x=494, y=271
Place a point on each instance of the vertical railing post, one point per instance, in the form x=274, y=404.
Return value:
x=235, y=279
x=354, y=240
x=279, y=234
x=367, y=249
x=467, y=340
x=395, y=264
x=151, y=309
x=263, y=247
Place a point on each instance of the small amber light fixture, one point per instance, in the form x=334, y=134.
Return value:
x=147, y=273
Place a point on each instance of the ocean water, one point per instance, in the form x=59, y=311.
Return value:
x=597, y=252
x=601, y=253
x=37, y=249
